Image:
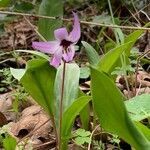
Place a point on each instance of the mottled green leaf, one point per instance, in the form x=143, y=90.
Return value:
x=71, y=85
x=110, y=109
x=139, y=107
x=93, y=56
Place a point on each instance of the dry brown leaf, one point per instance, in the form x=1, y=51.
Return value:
x=3, y=119
x=5, y=102
x=18, y=34
x=143, y=78
x=32, y=118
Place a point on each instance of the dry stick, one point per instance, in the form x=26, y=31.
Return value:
x=137, y=13
x=134, y=16
x=61, y=104
x=137, y=92
x=32, y=26
x=91, y=136
x=45, y=144
x=145, y=14
x=137, y=65
x=83, y=22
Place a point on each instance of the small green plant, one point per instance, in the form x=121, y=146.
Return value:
x=122, y=70
x=98, y=145
x=115, y=140
x=82, y=136
x=20, y=96
x=6, y=140
x=7, y=80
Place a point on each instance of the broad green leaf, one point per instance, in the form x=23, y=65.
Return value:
x=81, y=140
x=110, y=109
x=82, y=132
x=53, y=8
x=23, y=6
x=38, y=80
x=9, y=143
x=17, y=73
x=145, y=130
x=84, y=113
x=93, y=56
x=40, y=54
x=108, y=61
x=85, y=117
x=69, y=116
x=84, y=72
x=139, y=107
x=134, y=37
x=71, y=85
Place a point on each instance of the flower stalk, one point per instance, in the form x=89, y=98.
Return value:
x=61, y=104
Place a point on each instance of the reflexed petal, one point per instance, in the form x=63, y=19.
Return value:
x=70, y=54
x=75, y=34
x=56, y=60
x=46, y=47
x=61, y=34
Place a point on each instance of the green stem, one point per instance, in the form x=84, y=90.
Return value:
x=112, y=17
x=123, y=63
x=61, y=104
x=122, y=57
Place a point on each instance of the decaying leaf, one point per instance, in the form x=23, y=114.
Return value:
x=6, y=101
x=33, y=119
x=18, y=34
x=3, y=119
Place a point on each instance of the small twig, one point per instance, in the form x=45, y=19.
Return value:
x=82, y=22
x=45, y=144
x=145, y=14
x=137, y=93
x=137, y=65
x=89, y=146
x=137, y=13
x=134, y=16
x=32, y=26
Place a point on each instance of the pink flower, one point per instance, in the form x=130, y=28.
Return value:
x=63, y=48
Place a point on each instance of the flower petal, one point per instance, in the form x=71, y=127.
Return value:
x=46, y=47
x=68, y=56
x=61, y=34
x=75, y=34
x=56, y=60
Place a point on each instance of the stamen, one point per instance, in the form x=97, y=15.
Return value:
x=65, y=44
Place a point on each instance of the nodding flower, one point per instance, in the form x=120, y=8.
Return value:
x=63, y=48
